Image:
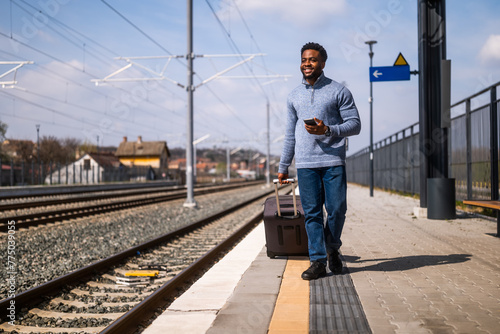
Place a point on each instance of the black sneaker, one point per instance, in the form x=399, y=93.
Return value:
x=317, y=269
x=334, y=262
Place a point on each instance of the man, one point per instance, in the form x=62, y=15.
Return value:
x=319, y=152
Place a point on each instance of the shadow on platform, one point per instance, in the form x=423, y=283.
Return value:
x=404, y=262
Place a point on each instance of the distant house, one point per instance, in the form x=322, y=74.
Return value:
x=19, y=149
x=145, y=153
x=90, y=168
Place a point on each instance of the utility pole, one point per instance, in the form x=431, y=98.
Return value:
x=190, y=201
x=228, y=165
x=97, y=149
x=38, y=150
x=268, y=155
x=190, y=87
x=370, y=100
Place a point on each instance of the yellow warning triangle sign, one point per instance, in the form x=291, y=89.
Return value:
x=400, y=60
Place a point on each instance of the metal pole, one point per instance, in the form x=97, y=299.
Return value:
x=468, y=145
x=38, y=150
x=98, y=158
x=268, y=169
x=228, y=165
x=190, y=202
x=494, y=143
x=432, y=136
x=370, y=100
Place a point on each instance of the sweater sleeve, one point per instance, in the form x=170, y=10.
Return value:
x=289, y=141
x=351, y=124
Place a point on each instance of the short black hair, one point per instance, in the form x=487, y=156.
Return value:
x=315, y=46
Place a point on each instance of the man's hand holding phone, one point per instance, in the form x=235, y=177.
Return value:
x=315, y=126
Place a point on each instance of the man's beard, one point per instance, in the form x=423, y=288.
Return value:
x=313, y=75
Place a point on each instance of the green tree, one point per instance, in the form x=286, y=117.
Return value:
x=3, y=131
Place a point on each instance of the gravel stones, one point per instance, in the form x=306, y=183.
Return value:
x=46, y=252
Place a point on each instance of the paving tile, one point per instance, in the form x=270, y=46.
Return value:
x=444, y=273
x=382, y=329
x=467, y=328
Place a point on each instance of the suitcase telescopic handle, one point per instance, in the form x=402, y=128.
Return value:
x=292, y=181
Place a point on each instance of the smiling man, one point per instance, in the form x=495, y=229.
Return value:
x=319, y=150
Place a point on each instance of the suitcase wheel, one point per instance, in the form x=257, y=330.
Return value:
x=271, y=254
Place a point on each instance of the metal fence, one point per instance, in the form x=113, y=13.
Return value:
x=32, y=173
x=473, y=152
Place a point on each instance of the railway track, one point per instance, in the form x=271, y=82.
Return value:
x=100, y=304
x=139, y=199
x=79, y=197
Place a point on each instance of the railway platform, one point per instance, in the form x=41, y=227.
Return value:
x=402, y=274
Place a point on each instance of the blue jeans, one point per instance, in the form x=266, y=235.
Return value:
x=323, y=186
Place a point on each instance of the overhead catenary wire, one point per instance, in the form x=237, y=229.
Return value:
x=77, y=39
x=66, y=64
x=79, y=70
x=169, y=53
x=78, y=44
x=258, y=49
x=137, y=28
x=234, y=46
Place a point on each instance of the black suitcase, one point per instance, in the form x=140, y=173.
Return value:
x=284, y=224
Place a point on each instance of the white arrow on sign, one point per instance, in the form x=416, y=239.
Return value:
x=377, y=73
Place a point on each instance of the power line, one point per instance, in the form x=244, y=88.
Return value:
x=136, y=27
x=235, y=47
x=77, y=83
x=57, y=32
x=256, y=45
x=168, y=52
x=88, y=109
x=73, y=39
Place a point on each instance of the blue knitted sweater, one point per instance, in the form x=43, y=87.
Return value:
x=330, y=102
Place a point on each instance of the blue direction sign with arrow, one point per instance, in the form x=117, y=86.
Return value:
x=390, y=73
x=400, y=71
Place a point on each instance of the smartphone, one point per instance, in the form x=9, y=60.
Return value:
x=310, y=121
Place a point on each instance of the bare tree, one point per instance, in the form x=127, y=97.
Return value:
x=3, y=131
x=51, y=150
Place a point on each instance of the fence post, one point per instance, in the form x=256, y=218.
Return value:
x=58, y=173
x=494, y=143
x=11, y=172
x=42, y=179
x=32, y=172
x=469, y=148
x=50, y=172
x=1, y=172
x=22, y=172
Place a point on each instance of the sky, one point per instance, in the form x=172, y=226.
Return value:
x=75, y=44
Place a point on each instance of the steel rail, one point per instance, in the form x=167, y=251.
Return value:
x=40, y=218
x=96, y=196
x=143, y=311
x=43, y=191
x=34, y=295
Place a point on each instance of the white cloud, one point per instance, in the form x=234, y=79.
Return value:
x=490, y=52
x=301, y=12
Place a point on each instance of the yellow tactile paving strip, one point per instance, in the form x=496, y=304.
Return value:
x=291, y=313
